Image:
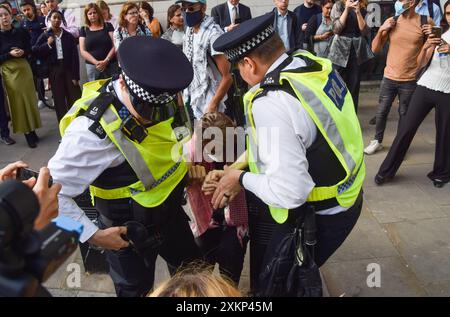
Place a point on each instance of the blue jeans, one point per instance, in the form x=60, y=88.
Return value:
x=389, y=89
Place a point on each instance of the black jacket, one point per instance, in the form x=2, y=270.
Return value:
x=71, y=60
x=221, y=14
x=292, y=27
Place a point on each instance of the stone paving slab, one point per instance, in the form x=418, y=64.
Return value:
x=425, y=246
x=368, y=240
x=349, y=278
x=399, y=201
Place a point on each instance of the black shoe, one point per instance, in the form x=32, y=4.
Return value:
x=34, y=136
x=30, y=140
x=373, y=121
x=7, y=140
x=379, y=180
x=438, y=183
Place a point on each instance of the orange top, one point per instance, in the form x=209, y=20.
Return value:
x=405, y=43
x=154, y=27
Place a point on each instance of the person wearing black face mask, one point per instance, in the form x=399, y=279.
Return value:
x=123, y=139
x=212, y=78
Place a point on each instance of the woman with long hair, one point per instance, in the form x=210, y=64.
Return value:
x=433, y=91
x=106, y=13
x=146, y=14
x=129, y=24
x=175, y=26
x=97, y=44
x=17, y=77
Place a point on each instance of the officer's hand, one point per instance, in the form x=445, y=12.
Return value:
x=48, y=199
x=197, y=174
x=227, y=189
x=110, y=238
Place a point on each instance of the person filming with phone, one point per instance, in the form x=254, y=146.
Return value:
x=433, y=91
x=46, y=195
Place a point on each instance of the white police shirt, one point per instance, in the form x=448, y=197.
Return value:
x=285, y=130
x=81, y=157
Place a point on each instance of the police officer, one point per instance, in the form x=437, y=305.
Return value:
x=305, y=147
x=123, y=138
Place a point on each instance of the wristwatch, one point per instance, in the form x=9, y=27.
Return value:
x=241, y=179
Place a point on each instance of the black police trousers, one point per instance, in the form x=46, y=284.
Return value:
x=132, y=273
x=266, y=235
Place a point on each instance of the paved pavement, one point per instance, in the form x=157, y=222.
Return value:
x=403, y=233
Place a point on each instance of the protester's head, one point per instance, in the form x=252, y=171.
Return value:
x=129, y=14
x=56, y=18
x=44, y=9
x=145, y=10
x=326, y=5
x=214, y=126
x=5, y=17
x=447, y=14
x=281, y=5
x=196, y=283
x=93, y=14
x=175, y=17
x=106, y=13
x=28, y=8
x=194, y=11
x=51, y=4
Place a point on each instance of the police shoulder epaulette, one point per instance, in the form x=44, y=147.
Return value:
x=96, y=111
x=99, y=106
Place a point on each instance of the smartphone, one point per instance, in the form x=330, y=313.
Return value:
x=237, y=21
x=25, y=173
x=437, y=31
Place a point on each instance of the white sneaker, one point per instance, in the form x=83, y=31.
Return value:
x=373, y=147
x=41, y=104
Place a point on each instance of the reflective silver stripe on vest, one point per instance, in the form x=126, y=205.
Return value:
x=133, y=156
x=327, y=122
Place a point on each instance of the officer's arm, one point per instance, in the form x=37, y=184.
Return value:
x=241, y=163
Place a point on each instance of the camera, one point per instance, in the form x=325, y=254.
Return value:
x=29, y=257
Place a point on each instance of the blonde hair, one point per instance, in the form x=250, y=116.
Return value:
x=104, y=6
x=196, y=282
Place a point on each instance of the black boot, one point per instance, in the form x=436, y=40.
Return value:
x=34, y=136
x=30, y=140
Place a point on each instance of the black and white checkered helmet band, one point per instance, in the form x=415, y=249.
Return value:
x=142, y=94
x=235, y=53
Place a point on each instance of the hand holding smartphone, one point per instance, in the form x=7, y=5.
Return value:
x=436, y=31
x=26, y=173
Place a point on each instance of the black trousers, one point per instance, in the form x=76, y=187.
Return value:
x=65, y=93
x=221, y=245
x=132, y=273
x=351, y=74
x=332, y=230
x=422, y=101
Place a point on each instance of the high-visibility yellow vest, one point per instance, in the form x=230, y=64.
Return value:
x=324, y=96
x=157, y=160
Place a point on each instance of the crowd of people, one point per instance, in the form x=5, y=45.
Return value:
x=211, y=62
